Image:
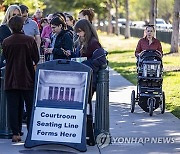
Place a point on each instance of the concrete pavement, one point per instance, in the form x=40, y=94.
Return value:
x=136, y=132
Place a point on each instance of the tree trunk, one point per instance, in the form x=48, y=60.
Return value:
x=153, y=14
x=109, y=23
x=175, y=33
x=127, y=30
x=109, y=6
x=98, y=18
x=117, y=16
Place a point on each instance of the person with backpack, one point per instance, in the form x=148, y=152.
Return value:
x=89, y=47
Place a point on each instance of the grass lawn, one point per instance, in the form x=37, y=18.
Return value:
x=121, y=58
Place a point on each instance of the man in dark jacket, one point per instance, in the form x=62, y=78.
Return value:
x=21, y=53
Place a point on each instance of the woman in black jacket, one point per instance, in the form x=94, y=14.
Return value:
x=5, y=32
x=61, y=39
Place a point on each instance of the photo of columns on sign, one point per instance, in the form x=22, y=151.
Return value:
x=61, y=86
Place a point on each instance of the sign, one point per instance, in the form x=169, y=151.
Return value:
x=62, y=125
x=60, y=103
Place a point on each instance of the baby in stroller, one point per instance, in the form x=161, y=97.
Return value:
x=149, y=82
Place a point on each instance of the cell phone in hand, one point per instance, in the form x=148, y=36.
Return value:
x=65, y=52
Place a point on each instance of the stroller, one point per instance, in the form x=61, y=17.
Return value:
x=149, y=82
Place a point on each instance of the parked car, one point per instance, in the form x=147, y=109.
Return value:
x=161, y=24
x=121, y=22
x=138, y=24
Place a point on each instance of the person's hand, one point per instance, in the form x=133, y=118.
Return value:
x=66, y=52
x=48, y=50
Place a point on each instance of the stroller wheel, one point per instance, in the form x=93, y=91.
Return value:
x=162, y=105
x=132, y=101
x=151, y=105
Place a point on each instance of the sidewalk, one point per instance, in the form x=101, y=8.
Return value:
x=123, y=124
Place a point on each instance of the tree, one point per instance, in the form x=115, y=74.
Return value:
x=109, y=7
x=32, y=5
x=165, y=9
x=127, y=30
x=175, y=33
x=153, y=12
x=139, y=9
x=117, y=15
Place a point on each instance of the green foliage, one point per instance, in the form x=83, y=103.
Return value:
x=32, y=4
x=75, y=6
x=139, y=9
x=165, y=9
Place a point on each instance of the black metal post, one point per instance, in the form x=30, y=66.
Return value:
x=5, y=131
x=102, y=102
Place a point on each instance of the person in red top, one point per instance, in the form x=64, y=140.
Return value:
x=148, y=42
x=37, y=17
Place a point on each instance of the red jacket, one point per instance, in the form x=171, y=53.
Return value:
x=143, y=44
x=38, y=23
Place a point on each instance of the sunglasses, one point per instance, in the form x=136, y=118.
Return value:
x=16, y=14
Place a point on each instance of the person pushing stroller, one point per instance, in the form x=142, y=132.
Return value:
x=149, y=70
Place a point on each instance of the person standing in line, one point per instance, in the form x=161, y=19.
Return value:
x=30, y=27
x=44, y=22
x=63, y=17
x=61, y=40
x=89, y=47
x=21, y=53
x=148, y=42
x=37, y=18
x=69, y=21
x=86, y=14
x=46, y=32
x=5, y=32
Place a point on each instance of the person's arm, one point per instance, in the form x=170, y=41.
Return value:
x=35, y=53
x=38, y=41
x=160, y=47
x=97, y=60
x=37, y=36
x=138, y=48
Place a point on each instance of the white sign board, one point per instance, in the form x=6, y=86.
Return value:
x=59, y=125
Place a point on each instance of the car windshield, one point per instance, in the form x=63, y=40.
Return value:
x=160, y=22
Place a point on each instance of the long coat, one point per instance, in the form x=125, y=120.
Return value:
x=21, y=53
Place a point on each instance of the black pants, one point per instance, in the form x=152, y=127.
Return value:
x=15, y=108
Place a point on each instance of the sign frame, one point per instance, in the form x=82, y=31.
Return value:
x=67, y=66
